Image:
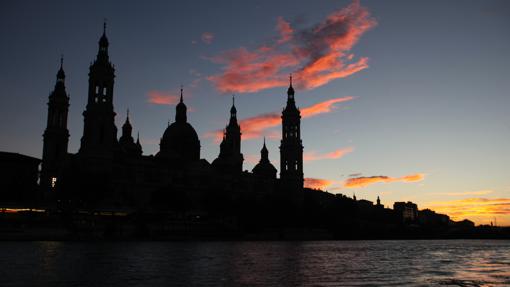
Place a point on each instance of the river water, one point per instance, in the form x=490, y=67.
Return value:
x=319, y=263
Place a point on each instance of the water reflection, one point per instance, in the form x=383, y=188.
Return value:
x=357, y=263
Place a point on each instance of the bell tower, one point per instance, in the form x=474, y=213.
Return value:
x=56, y=135
x=99, y=131
x=291, y=148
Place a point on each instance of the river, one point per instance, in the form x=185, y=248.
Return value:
x=259, y=263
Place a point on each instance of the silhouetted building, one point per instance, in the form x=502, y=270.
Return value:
x=99, y=130
x=113, y=173
x=180, y=143
x=230, y=158
x=56, y=135
x=463, y=224
x=379, y=205
x=291, y=149
x=18, y=174
x=365, y=206
x=176, y=190
x=431, y=218
x=407, y=211
x=264, y=168
x=127, y=142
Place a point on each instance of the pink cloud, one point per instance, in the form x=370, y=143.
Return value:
x=316, y=55
x=162, y=98
x=284, y=29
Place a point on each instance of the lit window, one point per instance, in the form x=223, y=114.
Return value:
x=53, y=182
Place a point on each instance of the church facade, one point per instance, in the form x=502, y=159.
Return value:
x=111, y=172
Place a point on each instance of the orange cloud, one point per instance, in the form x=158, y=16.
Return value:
x=162, y=98
x=476, y=192
x=255, y=127
x=309, y=156
x=317, y=54
x=318, y=183
x=207, y=37
x=479, y=210
x=322, y=107
x=364, y=181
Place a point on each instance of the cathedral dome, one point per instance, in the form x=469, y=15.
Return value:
x=264, y=168
x=180, y=139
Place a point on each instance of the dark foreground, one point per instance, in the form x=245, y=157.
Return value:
x=97, y=226
x=311, y=263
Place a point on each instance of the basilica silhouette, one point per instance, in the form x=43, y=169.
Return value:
x=110, y=189
x=111, y=172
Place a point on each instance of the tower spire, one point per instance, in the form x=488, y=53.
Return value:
x=127, y=116
x=103, y=43
x=290, y=91
x=181, y=100
x=60, y=74
x=233, y=111
x=180, y=110
x=230, y=157
x=264, y=153
x=127, y=128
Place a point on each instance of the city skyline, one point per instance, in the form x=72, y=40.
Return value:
x=355, y=142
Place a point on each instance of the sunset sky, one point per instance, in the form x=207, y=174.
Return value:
x=406, y=100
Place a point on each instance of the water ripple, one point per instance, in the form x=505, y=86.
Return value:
x=329, y=263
